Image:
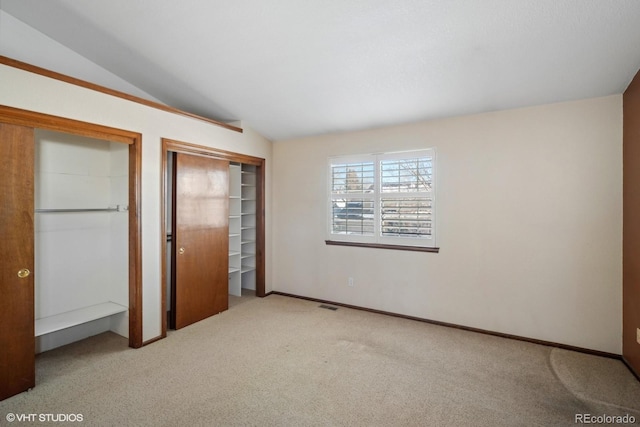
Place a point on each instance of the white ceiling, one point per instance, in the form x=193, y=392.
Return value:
x=293, y=68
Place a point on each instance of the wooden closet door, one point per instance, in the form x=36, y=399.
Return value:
x=200, y=238
x=17, y=324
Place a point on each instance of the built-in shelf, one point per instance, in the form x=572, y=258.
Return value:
x=242, y=185
x=49, y=324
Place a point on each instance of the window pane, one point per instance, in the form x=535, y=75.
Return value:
x=352, y=216
x=352, y=178
x=406, y=217
x=406, y=175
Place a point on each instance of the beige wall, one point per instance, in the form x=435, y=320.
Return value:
x=33, y=92
x=529, y=222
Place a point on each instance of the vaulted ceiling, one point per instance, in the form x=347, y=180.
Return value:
x=292, y=68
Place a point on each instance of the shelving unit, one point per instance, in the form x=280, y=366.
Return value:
x=235, y=232
x=242, y=228
x=248, y=227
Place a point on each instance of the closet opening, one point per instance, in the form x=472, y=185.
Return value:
x=81, y=198
x=240, y=255
x=71, y=253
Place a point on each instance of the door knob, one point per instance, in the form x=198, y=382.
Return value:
x=24, y=273
x=181, y=251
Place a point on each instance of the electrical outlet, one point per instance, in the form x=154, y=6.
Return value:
x=638, y=335
x=350, y=283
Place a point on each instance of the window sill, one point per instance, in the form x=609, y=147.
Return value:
x=381, y=246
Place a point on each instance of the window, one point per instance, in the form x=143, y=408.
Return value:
x=383, y=199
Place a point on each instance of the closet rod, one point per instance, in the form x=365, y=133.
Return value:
x=116, y=209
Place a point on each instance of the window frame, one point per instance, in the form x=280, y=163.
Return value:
x=426, y=244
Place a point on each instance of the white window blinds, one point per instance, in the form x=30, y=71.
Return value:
x=352, y=197
x=385, y=198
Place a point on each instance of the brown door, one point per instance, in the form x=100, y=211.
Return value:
x=200, y=238
x=17, y=342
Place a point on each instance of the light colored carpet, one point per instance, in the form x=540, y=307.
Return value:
x=280, y=361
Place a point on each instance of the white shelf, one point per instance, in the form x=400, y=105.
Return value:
x=46, y=325
x=233, y=253
x=234, y=235
x=243, y=182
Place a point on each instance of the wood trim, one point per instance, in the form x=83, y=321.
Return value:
x=633, y=371
x=88, y=85
x=464, y=328
x=631, y=223
x=260, y=230
x=134, y=139
x=383, y=246
x=200, y=150
x=27, y=118
x=135, y=243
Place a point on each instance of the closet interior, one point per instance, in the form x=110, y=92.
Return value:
x=242, y=228
x=81, y=223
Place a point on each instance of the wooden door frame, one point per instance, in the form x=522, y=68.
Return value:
x=199, y=150
x=16, y=116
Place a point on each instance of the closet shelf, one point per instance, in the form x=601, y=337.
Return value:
x=49, y=324
x=233, y=269
x=246, y=268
